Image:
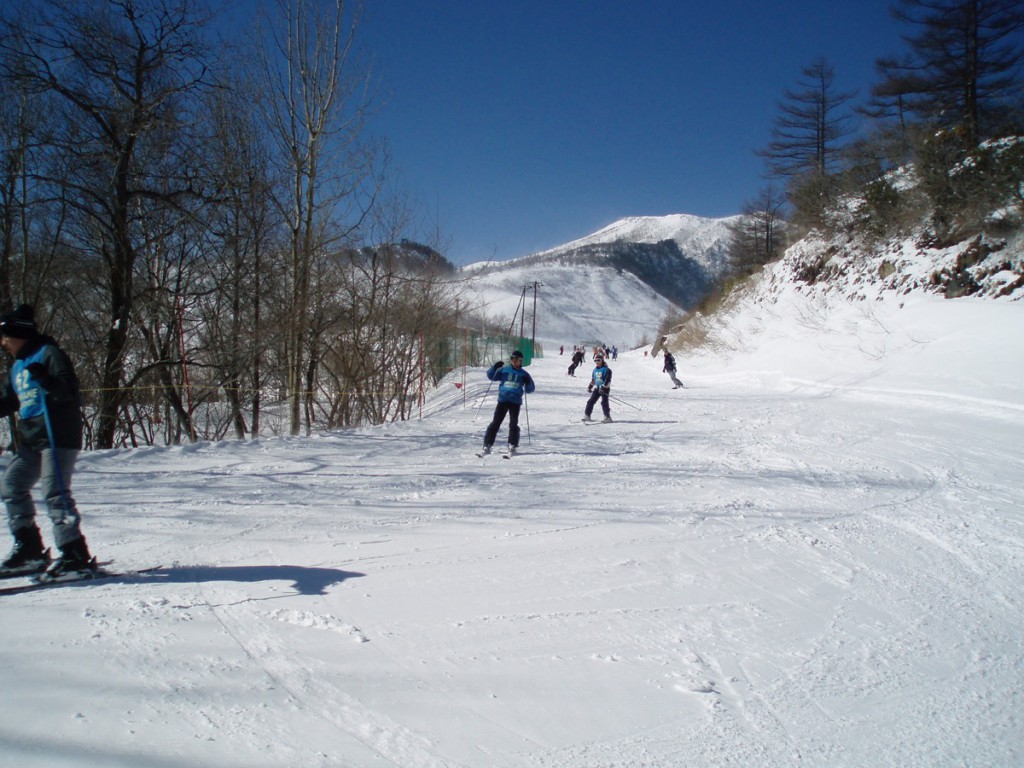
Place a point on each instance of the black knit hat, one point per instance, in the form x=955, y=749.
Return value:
x=20, y=324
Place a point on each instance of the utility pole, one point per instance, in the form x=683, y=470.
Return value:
x=522, y=315
x=533, y=333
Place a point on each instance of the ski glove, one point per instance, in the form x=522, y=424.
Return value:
x=605, y=390
x=590, y=387
x=498, y=364
x=39, y=374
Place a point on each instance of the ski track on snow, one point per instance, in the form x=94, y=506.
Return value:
x=728, y=574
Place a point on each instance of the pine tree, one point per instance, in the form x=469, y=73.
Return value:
x=962, y=70
x=807, y=142
x=810, y=127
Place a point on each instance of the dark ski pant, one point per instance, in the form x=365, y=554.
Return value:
x=512, y=409
x=26, y=469
x=672, y=375
x=593, y=399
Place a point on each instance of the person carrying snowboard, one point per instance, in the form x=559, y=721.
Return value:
x=43, y=391
x=670, y=369
x=514, y=384
x=600, y=386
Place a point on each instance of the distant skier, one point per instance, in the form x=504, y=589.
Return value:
x=515, y=382
x=43, y=390
x=577, y=360
x=670, y=369
x=599, y=387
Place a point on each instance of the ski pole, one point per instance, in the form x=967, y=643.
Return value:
x=526, y=406
x=623, y=402
x=483, y=400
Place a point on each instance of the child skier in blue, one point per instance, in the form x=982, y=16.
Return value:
x=515, y=382
x=599, y=387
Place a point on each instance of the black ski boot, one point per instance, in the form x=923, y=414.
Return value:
x=74, y=562
x=27, y=556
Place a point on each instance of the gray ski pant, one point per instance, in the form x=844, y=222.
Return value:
x=26, y=469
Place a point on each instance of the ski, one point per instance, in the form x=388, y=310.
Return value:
x=35, y=573
x=22, y=574
x=102, y=574
x=44, y=561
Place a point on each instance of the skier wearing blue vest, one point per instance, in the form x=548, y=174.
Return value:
x=43, y=391
x=600, y=386
x=515, y=383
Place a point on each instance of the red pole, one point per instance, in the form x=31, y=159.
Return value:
x=422, y=376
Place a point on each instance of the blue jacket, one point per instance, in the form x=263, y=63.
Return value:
x=514, y=383
x=601, y=377
x=23, y=395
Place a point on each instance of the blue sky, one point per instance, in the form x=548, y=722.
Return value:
x=523, y=124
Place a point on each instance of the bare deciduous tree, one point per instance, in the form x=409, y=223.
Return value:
x=118, y=75
x=316, y=100
x=241, y=229
x=759, y=235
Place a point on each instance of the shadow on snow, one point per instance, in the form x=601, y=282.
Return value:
x=305, y=581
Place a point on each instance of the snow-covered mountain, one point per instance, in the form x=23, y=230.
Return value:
x=699, y=238
x=615, y=285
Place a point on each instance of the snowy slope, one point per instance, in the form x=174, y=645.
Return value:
x=812, y=555
x=573, y=305
x=591, y=297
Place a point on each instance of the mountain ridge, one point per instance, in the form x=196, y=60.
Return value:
x=698, y=237
x=656, y=265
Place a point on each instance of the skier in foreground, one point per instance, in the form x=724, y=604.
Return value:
x=515, y=382
x=43, y=391
x=599, y=387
